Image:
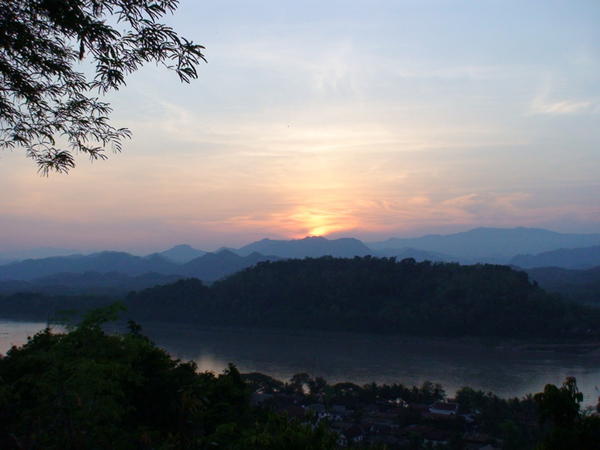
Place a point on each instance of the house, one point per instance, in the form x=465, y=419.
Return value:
x=355, y=434
x=319, y=411
x=489, y=447
x=349, y=433
x=293, y=411
x=429, y=434
x=390, y=441
x=258, y=398
x=478, y=438
x=444, y=408
x=437, y=437
x=340, y=410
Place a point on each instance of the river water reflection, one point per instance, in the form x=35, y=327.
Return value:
x=360, y=358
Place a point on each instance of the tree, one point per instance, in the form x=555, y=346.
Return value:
x=560, y=405
x=566, y=426
x=47, y=105
x=86, y=389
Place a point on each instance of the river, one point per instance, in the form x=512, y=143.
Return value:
x=506, y=369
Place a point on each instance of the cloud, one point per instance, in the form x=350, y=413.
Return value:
x=486, y=205
x=561, y=107
x=544, y=103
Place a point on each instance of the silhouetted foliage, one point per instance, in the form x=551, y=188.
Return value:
x=47, y=104
x=377, y=295
x=566, y=427
x=86, y=389
x=582, y=286
x=89, y=390
x=372, y=295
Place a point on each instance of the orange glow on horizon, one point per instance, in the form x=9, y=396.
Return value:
x=321, y=223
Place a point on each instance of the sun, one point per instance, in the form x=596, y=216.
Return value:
x=321, y=223
x=320, y=231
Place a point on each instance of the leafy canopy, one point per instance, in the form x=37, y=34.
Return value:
x=43, y=95
x=86, y=389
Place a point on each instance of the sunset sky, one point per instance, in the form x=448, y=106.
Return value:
x=355, y=118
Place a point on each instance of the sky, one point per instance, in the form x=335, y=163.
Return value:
x=355, y=118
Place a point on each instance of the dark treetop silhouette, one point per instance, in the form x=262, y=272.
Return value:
x=43, y=96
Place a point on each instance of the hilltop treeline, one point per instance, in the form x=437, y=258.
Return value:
x=371, y=295
x=366, y=294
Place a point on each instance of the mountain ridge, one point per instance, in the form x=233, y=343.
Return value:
x=310, y=246
x=492, y=243
x=568, y=258
x=182, y=253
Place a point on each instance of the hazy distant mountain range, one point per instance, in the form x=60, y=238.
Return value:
x=492, y=243
x=522, y=247
x=308, y=247
x=573, y=258
x=182, y=253
x=208, y=267
x=580, y=285
x=213, y=266
x=39, y=252
x=102, y=262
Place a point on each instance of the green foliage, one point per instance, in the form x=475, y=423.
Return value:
x=89, y=390
x=43, y=96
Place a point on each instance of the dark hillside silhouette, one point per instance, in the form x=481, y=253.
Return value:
x=362, y=294
x=213, y=266
x=578, y=285
x=372, y=295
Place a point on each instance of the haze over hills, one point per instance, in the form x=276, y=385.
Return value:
x=4, y=261
x=416, y=254
x=365, y=294
x=582, y=286
x=490, y=243
x=213, y=266
x=73, y=270
x=478, y=245
x=182, y=253
x=310, y=246
x=34, y=253
x=570, y=258
x=91, y=283
x=97, y=262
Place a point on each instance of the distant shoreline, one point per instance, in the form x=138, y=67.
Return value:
x=564, y=345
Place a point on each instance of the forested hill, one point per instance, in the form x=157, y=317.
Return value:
x=362, y=294
x=372, y=295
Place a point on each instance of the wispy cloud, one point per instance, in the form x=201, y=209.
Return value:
x=540, y=106
x=546, y=103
